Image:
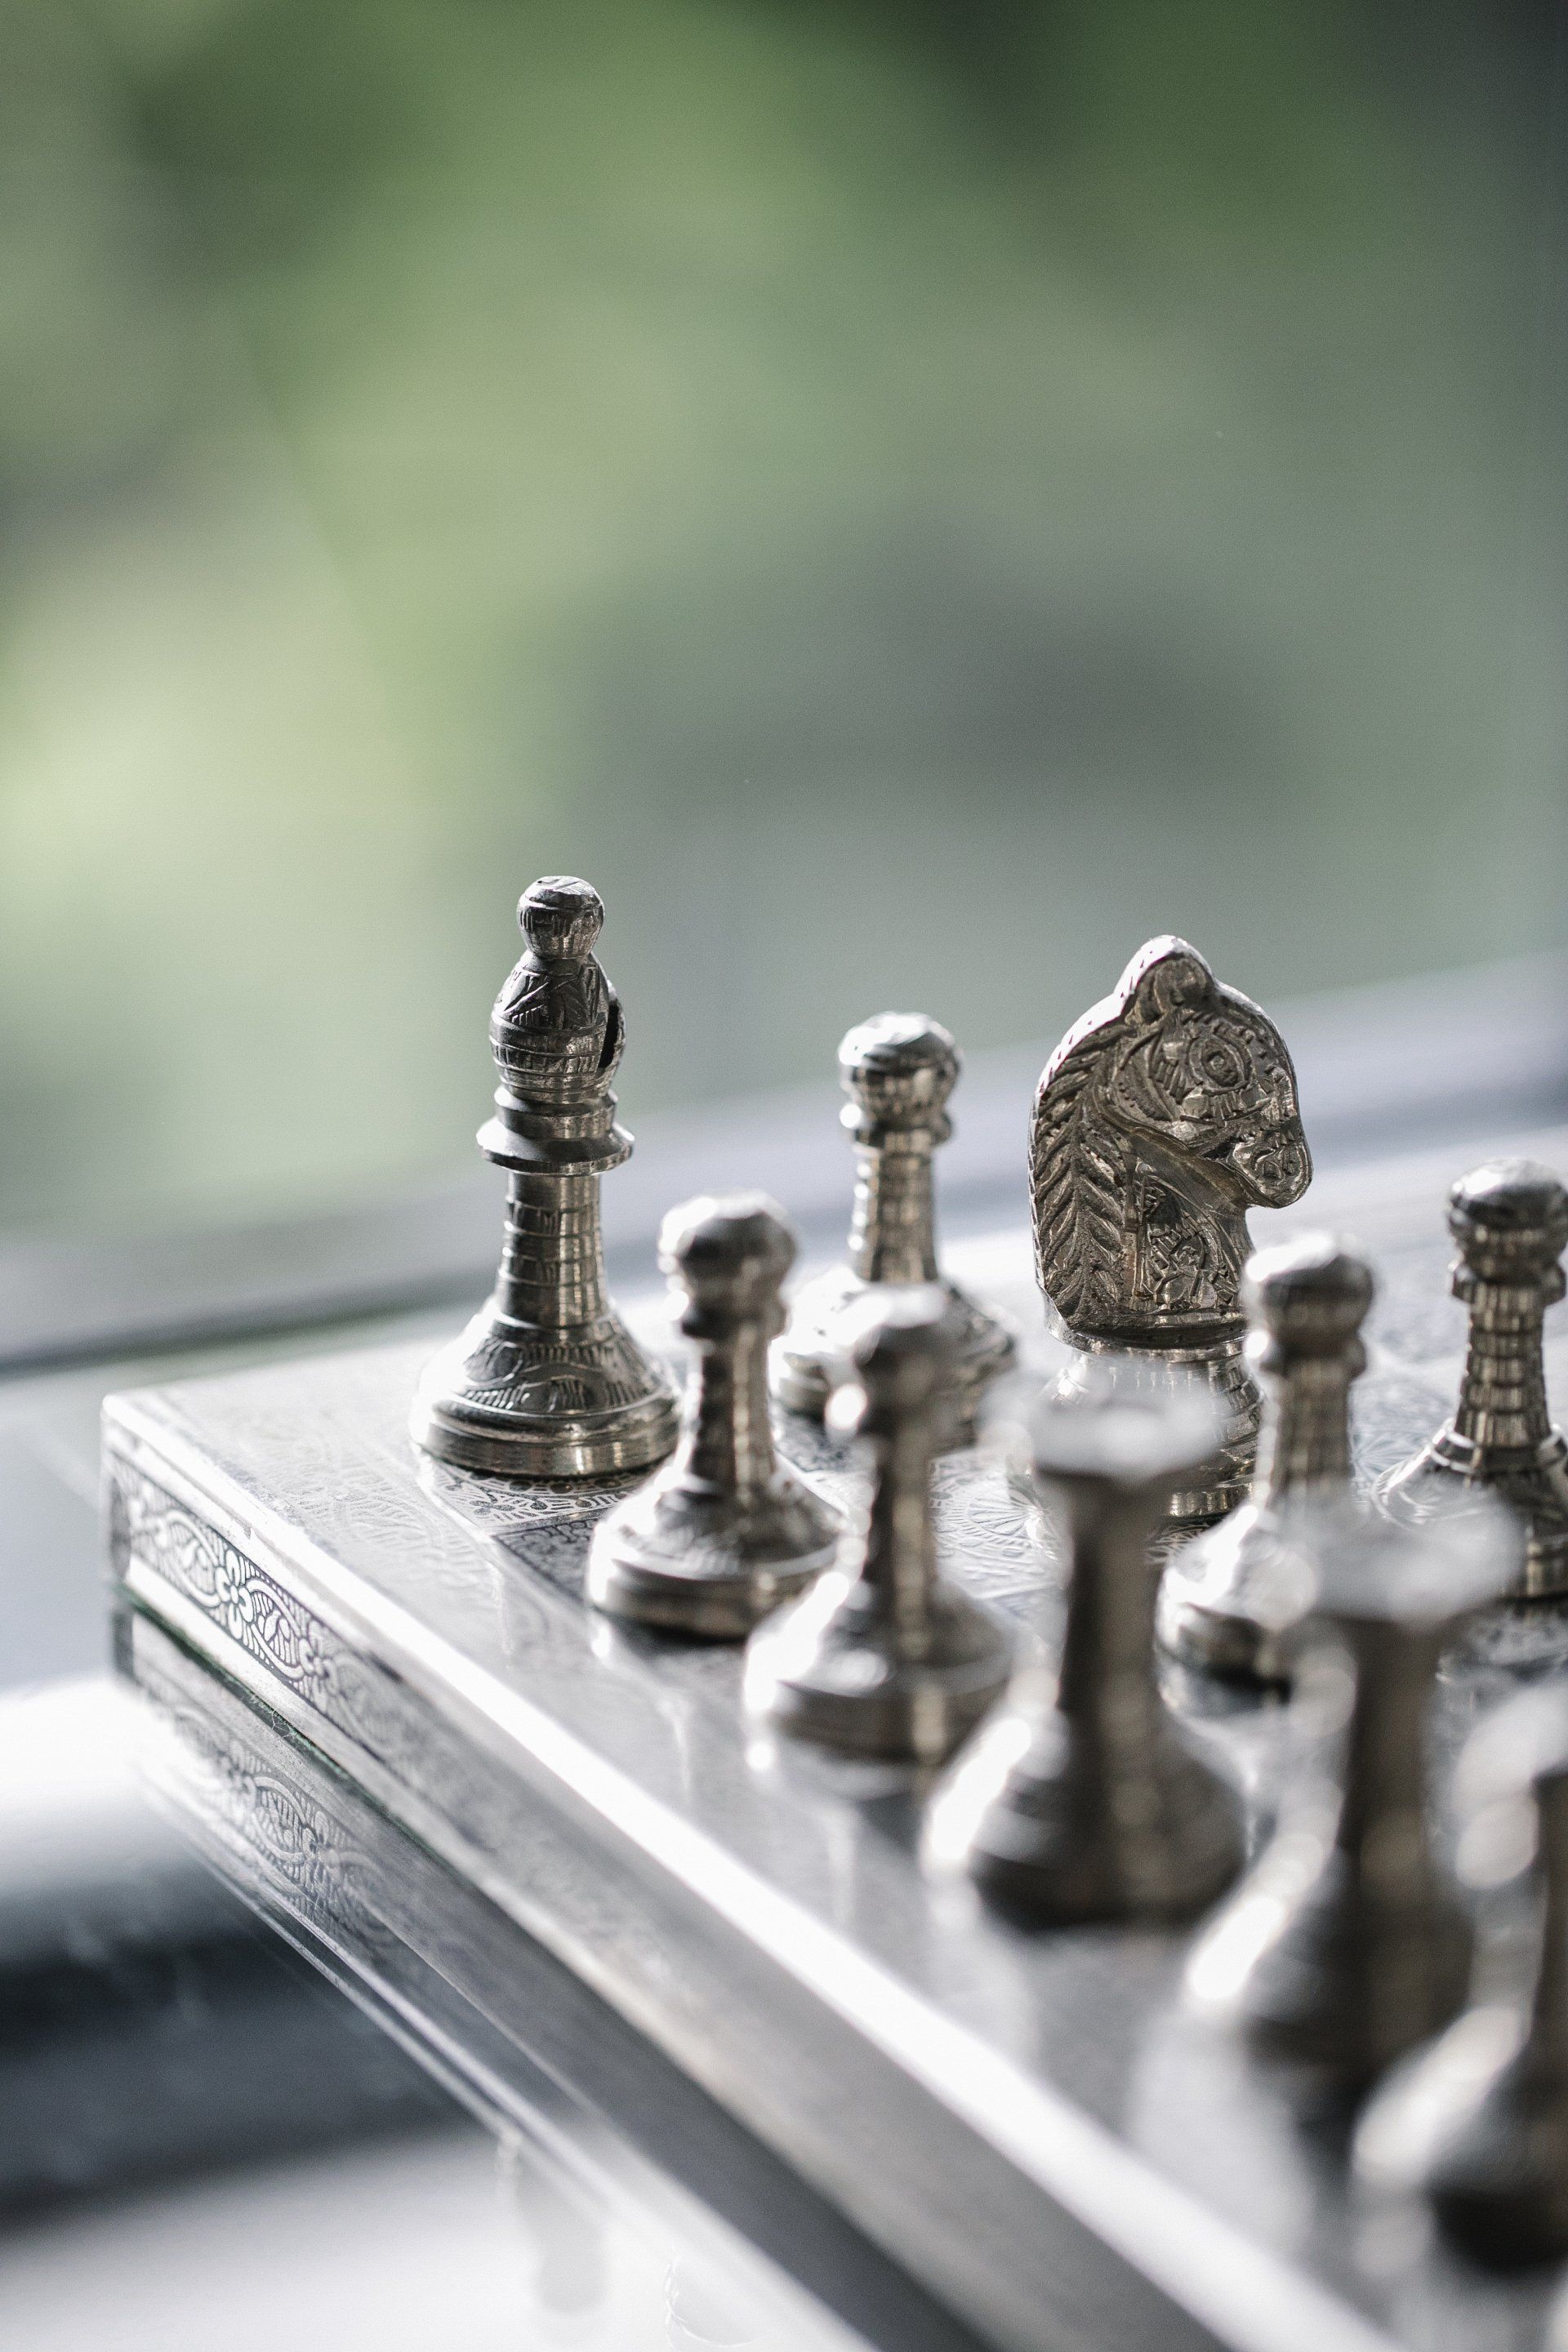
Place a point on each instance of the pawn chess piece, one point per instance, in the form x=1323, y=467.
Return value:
x=1165, y=1112
x=724, y=1531
x=1232, y=1600
x=1080, y=1799
x=1478, y=2124
x=899, y=1071
x=1346, y=1945
x=1511, y=1222
x=547, y=1382
x=882, y=1657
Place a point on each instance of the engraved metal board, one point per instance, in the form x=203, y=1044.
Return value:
x=1027, y=2125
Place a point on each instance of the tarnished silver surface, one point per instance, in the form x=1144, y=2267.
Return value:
x=1232, y=1599
x=1348, y=1943
x=882, y=1657
x=1161, y=1116
x=1080, y=1799
x=1509, y=1219
x=1479, y=2122
x=1031, y=2124
x=899, y=1070
x=547, y=1382
x=725, y=1530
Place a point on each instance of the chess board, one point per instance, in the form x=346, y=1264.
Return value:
x=375, y=1689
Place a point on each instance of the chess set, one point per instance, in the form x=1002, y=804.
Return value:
x=1077, y=1797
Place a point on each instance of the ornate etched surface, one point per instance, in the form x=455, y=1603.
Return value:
x=1167, y=1111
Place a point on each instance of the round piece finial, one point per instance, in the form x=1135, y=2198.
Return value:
x=560, y=915
x=1309, y=1294
x=899, y=1066
x=731, y=1248
x=1512, y=1213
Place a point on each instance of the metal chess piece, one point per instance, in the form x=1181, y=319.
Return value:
x=1166, y=1112
x=899, y=1070
x=547, y=1382
x=1479, y=2121
x=1079, y=1799
x=1233, y=1598
x=1511, y=1222
x=724, y=1531
x=882, y=1657
x=1346, y=1945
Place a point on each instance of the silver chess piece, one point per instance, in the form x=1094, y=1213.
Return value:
x=883, y=1656
x=1161, y=1116
x=1080, y=1799
x=899, y=1071
x=547, y=1382
x=725, y=1530
x=1347, y=1944
x=1509, y=1219
x=1479, y=2122
x=1231, y=1598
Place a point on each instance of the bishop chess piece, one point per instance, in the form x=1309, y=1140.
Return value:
x=1233, y=1598
x=899, y=1071
x=1166, y=1112
x=1478, y=2124
x=1509, y=1219
x=1080, y=1800
x=724, y=1531
x=1347, y=1944
x=547, y=1382
x=882, y=1656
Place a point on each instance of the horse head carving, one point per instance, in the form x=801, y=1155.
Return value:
x=1163, y=1115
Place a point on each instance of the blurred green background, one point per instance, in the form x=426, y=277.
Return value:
x=909, y=499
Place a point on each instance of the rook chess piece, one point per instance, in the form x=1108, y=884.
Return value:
x=1080, y=1800
x=547, y=1382
x=1346, y=1945
x=1167, y=1111
x=1479, y=2121
x=1231, y=1598
x=883, y=1657
x=899, y=1071
x=1509, y=1219
x=724, y=1531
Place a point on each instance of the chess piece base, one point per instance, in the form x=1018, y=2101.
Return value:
x=828, y=1669
x=1482, y=2135
x=1231, y=1598
x=524, y=1401
x=1024, y=1815
x=679, y=1556
x=1221, y=1368
x=1533, y=1481
x=807, y=1358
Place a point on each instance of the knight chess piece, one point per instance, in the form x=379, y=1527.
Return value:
x=1231, y=1598
x=1509, y=1219
x=899, y=1071
x=547, y=1382
x=882, y=1656
x=1080, y=1800
x=1346, y=1945
x=1479, y=2122
x=724, y=1531
x=1161, y=1116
